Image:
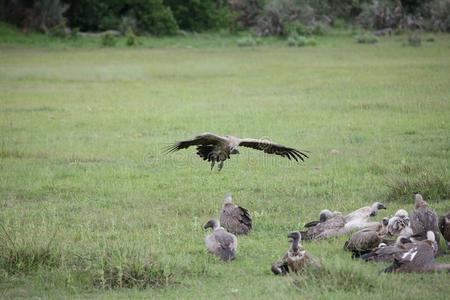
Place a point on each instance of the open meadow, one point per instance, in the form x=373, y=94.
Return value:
x=90, y=207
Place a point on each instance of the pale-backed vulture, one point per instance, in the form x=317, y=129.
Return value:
x=360, y=217
x=418, y=258
x=215, y=148
x=296, y=258
x=399, y=224
x=444, y=227
x=423, y=219
x=386, y=252
x=221, y=243
x=235, y=219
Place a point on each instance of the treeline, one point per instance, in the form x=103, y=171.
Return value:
x=263, y=17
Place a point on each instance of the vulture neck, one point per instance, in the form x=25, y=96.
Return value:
x=295, y=244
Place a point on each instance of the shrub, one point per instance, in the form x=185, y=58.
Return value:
x=126, y=24
x=438, y=14
x=366, y=38
x=131, y=39
x=300, y=41
x=248, y=41
x=108, y=40
x=246, y=12
x=279, y=17
x=381, y=14
x=414, y=40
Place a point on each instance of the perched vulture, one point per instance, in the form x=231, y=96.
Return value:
x=360, y=217
x=423, y=219
x=367, y=239
x=419, y=257
x=235, y=219
x=386, y=252
x=296, y=258
x=444, y=227
x=323, y=216
x=333, y=226
x=215, y=148
x=221, y=243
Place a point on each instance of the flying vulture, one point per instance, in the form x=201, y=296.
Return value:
x=215, y=148
x=221, y=243
x=296, y=258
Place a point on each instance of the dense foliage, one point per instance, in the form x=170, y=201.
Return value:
x=264, y=17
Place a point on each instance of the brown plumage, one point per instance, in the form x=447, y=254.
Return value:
x=333, y=226
x=385, y=252
x=364, y=240
x=419, y=257
x=423, y=219
x=296, y=258
x=235, y=219
x=444, y=227
x=221, y=243
x=215, y=148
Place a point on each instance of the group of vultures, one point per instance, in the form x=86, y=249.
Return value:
x=409, y=241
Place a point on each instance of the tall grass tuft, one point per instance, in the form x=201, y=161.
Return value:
x=430, y=186
x=24, y=255
x=125, y=268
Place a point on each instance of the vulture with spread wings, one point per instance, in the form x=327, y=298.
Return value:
x=215, y=148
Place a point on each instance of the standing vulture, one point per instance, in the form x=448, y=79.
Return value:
x=296, y=258
x=215, y=148
x=418, y=258
x=221, y=243
x=444, y=226
x=360, y=217
x=235, y=219
x=423, y=219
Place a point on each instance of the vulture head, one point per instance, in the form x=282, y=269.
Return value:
x=401, y=240
x=228, y=199
x=401, y=213
x=325, y=215
x=375, y=207
x=385, y=221
x=419, y=202
x=213, y=223
x=295, y=236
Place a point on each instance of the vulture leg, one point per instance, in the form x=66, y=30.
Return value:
x=213, y=162
x=220, y=165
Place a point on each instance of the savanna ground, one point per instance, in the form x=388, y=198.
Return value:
x=90, y=206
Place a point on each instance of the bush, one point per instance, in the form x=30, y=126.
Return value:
x=246, y=12
x=381, y=14
x=248, y=41
x=366, y=38
x=108, y=40
x=414, y=40
x=131, y=39
x=438, y=14
x=295, y=40
x=280, y=16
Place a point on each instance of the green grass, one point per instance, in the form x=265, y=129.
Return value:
x=89, y=203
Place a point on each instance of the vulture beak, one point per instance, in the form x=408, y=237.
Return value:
x=234, y=151
x=381, y=206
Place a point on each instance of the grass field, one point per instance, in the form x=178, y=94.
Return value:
x=88, y=201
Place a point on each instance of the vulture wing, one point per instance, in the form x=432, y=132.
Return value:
x=272, y=148
x=202, y=139
x=243, y=216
